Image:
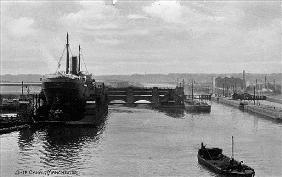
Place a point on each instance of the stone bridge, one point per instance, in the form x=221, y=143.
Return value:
x=156, y=96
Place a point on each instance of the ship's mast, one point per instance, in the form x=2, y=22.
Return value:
x=67, y=46
x=79, y=58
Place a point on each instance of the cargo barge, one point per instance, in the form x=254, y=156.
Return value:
x=216, y=161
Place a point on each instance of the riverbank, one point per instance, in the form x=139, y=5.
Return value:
x=260, y=109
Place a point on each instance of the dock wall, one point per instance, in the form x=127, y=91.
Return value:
x=229, y=102
x=268, y=111
x=275, y=100
x=265, y=111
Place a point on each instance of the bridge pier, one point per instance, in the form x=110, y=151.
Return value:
x=129, y=97
x=155, y=97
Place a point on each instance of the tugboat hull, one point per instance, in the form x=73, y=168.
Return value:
x=214, y=160
x=193, y=106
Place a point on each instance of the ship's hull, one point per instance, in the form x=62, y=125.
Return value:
x=65, y=94
x=65, y=97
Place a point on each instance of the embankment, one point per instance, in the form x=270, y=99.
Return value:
x=264, y=110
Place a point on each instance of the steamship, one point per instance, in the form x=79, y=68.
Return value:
x=66, y=93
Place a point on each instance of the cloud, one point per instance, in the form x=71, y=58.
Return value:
x=91, y=14
x=21, y=27
x=136, y=16
x=197, y=17
x=260, y=13
x=94, y=19
x=102, y=23
x=108, y=41
x=48, y=58
x=169, y=11
x=209, y=35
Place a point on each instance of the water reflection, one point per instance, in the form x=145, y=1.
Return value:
x=63, y=145
x=173, y=112
x=192, y=112
x=256, y=124
x=26, y=137
x=57, y=147
x=142, y=142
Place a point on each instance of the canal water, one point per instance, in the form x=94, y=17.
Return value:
x=144, y=142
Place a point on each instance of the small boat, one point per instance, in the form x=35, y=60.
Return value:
x=193, y=105
x=213, y=159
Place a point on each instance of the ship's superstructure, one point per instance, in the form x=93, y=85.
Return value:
x=67, y=92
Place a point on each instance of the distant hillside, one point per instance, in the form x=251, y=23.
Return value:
x=172, y=78
x=155, y=78
x=20, y=78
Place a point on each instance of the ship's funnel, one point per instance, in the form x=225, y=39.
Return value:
x=74, y=64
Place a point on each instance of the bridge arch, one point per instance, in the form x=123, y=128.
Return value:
x=156, y=96
x=117, y=102
x=143, y=101
x=142, y=98
x=115, y=99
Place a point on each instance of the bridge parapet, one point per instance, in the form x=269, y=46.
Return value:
x=157, y=96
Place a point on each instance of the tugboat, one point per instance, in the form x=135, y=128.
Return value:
x=66, y=93
x=197, y=106
x=213, y=159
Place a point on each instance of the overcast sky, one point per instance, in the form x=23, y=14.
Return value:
x=170, y=36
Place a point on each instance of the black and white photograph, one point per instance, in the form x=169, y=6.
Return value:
x=141, y=88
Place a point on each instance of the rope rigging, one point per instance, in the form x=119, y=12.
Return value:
x=82, y=57
x=60, y=59
x=84, y=63
x=70, y=51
